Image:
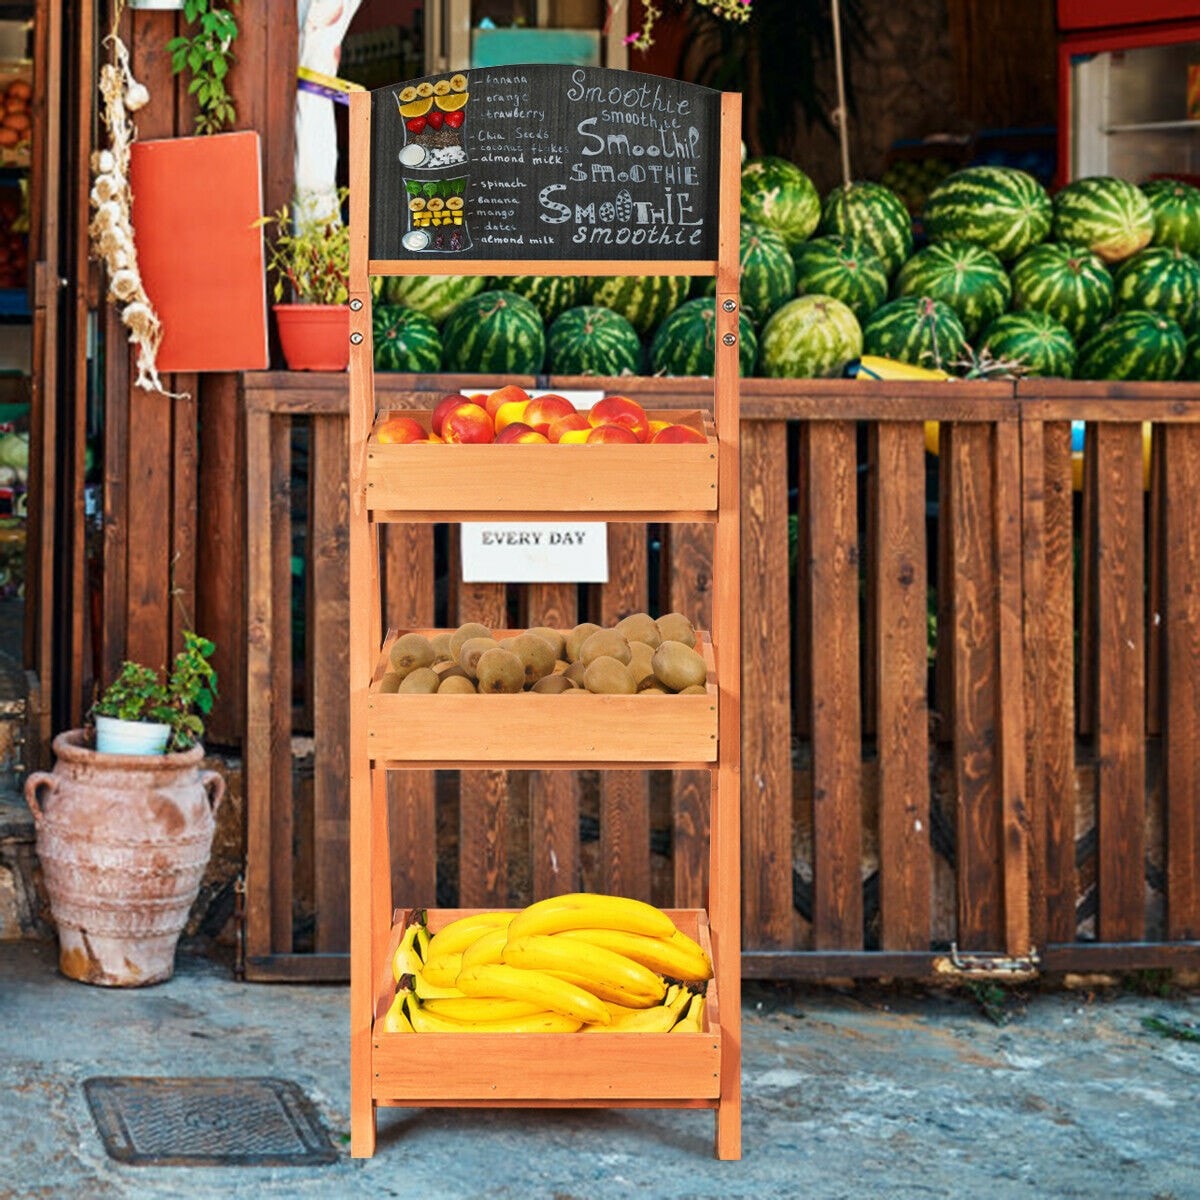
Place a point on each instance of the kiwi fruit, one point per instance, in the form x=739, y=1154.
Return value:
x=499, y=671
x=653, y=689
x=639, y=627
x=422, y=681
x=452, y=671
x=410, y=651
x=390, y=682
x=577, y=637
x=535, y=653
x=695, y=689
x=464, y=633
x=675, y=627
x=441, y=647
x=605, y=643
x=469, y=652
x=608, y=676
x=552, y=685
x=574, y=673
x=640, y=661
x=678, y=666
x=558, y=643
x=456, y=685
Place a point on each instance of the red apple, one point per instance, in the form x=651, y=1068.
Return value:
x=503, y=395
x=543, y=411
x=612, y=433
x=444, y=406
x=677, y=433
x=467, y=423
x=620, y=410
x=506, y=414
x=572, y=422
x=400, y=431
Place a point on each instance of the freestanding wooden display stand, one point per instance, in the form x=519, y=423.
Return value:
x=388, y=732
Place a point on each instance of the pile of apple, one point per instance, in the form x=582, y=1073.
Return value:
x=510, y=414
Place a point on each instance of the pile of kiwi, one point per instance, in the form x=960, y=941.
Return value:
x=640, y=654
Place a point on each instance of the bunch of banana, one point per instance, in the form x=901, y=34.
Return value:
x=580, y=961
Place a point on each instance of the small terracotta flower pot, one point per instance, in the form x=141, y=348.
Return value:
x=314, y=337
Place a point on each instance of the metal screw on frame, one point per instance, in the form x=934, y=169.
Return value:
x=355, y=305
x=729, y=305
x=730, y=339
x=355, y=339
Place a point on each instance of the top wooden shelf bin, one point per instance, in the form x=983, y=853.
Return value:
x=443, y=480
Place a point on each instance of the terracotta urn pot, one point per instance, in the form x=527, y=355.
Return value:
x=123, y=841
x=314, y=337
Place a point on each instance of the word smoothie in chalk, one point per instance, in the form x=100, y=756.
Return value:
x=531, y=537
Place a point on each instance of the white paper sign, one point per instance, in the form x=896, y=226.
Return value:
x=534, y=552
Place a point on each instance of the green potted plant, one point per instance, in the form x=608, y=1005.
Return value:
x=204, y=51
x=124, y=834
x=309, y=257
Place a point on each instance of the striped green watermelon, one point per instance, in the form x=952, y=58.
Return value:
x=1134, y=345
x=964, y=275
x=494, y=332
x=590, y=340
x=811, y=337
x=1164, y=280
x=777, y=194
x=644, y=301
x=917, y=330
x=1110, y=216
x=768, y=275
x=844, y=268
x=1000, y=208
x=685, y=343
x=437, y=296
x=873, y=215
x=553, y=294
x=1068, y=283
x=1176, y=214
x=1038, y=343
x=405, y=340
x=1191, y=360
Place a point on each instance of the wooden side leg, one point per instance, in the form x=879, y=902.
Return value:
x=725, y=916
x=362, y=919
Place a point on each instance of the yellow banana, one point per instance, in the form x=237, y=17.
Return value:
x=394, y=1020
x=480, y=1008
x=658, y=1019
x=676, y=957
x=486, y=948
x=537, y=987
x=543, y=1021
x=692, y=1021
x=407, y=960
x=442, y=969
x=588, y=910
x=428, y=991
x=602, y=972
x=458, y=935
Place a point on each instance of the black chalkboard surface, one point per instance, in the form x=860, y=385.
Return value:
x=544, y=162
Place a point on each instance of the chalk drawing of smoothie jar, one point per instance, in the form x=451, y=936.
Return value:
x=434, y=113
x=437, y=215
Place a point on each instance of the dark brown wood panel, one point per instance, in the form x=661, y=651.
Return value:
x=766, y=717
x=836, y=713
x=897, y=548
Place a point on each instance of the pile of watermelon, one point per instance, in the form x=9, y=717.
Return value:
x=1100, y=281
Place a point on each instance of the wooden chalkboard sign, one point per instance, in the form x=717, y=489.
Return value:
x=544, y=162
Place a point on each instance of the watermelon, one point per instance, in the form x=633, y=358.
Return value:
x=811, y=337
x=1110, y=216
x=1000, y=208
x=1161, y=279
x=1039, y=344
x=685, y=343
x=405, y=340
x=874, y=215
x=553, y=294
x=590, y=340
x=1176, y=208
x=964, y=275
x=1191, y=360
x=1068, y=283
x=437, y=296
x=777, y=194
x=643, y=301
x=768, y=275
x=917, y=330
x=494, y=333
x=1134, y=345
x=844, y=268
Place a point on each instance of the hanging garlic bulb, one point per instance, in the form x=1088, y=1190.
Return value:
x=104, y=162
x=125, y=284
x=139, y=318
x=137, y=95
x=105, y=187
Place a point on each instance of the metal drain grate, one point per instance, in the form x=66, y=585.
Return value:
x=252, y=1122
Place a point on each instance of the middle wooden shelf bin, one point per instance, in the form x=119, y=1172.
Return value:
x=573, y=728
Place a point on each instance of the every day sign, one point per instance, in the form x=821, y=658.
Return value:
x=534, y=552
x=544, y=162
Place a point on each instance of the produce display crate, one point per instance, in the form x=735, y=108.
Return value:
x=540, y=1069
x=529, y=727
x=495, y=478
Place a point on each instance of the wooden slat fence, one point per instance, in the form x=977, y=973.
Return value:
x=970, y=707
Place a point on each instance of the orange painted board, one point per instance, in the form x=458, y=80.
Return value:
x=195, y=202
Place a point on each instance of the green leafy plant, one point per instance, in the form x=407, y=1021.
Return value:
x=181, y=700
x=205, y=52
x=310, y=254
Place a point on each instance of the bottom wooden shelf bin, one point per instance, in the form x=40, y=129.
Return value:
x=547, y=1070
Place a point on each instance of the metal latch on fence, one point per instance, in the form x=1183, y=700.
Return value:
x=985, y=965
